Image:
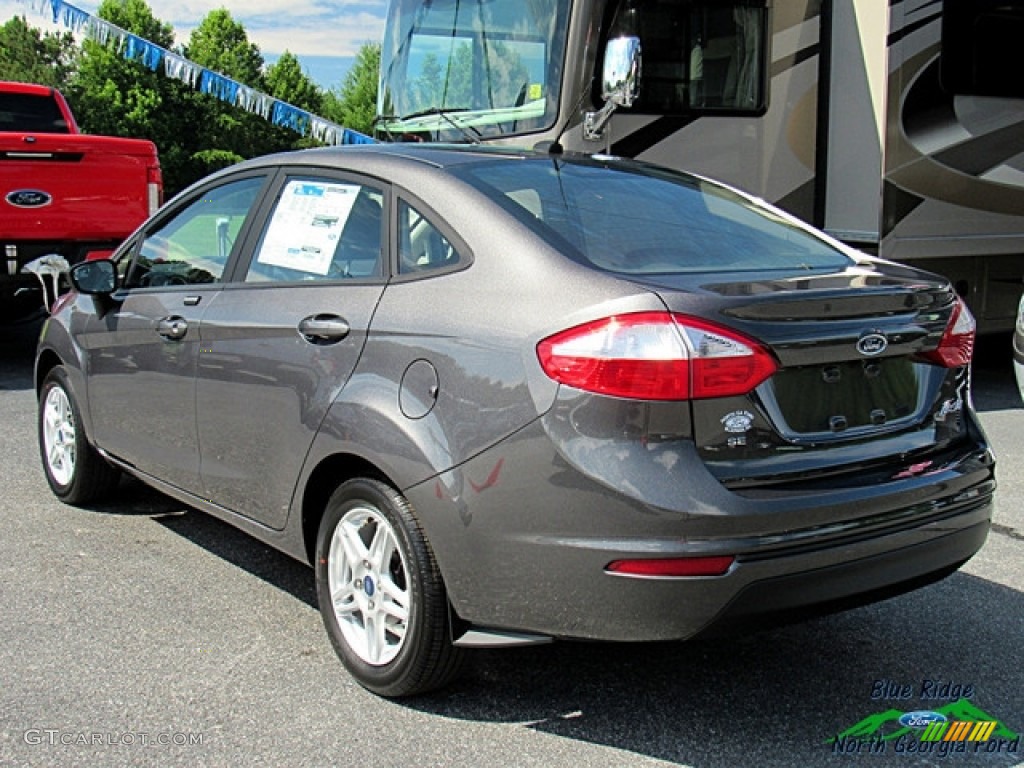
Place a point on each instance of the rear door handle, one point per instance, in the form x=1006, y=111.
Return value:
x=173, y=328
x=324, y=329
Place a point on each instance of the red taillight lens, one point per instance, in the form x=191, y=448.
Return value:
x=673, y=567
x=723, y=362
x=957, y=345
x=655, y=356
x=638, y=356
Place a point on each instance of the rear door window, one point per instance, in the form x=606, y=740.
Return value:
x=321, y=229
x=422, y=247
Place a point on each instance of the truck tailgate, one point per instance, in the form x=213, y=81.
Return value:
x=93, y=187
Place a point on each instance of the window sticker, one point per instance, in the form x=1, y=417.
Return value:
x=304, y=230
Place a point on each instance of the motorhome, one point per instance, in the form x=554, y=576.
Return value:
x=895, y=126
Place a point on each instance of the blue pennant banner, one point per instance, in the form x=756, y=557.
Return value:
x=176, y=66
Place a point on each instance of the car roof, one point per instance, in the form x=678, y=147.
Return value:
x=436, y=155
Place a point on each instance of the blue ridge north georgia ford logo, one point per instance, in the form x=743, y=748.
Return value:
x=29, y=198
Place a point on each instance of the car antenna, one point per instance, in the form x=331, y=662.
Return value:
x=555, y=147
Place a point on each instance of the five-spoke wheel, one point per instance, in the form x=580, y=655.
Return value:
x=58, y=428
x=74, y=469
x=367, y=577
x=381, y=594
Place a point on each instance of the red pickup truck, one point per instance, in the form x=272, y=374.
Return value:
x=62, y=192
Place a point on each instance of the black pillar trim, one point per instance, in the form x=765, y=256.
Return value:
x=821, y=133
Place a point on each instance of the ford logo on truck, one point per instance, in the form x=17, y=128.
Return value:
x=29, y=198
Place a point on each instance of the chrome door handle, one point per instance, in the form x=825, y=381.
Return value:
x=324, y=328
x=173, y=328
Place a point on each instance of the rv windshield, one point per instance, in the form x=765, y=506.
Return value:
x=456, y=70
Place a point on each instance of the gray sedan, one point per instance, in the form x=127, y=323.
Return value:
x=498, y=397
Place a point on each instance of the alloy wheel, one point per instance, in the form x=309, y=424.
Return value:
x=369, y=586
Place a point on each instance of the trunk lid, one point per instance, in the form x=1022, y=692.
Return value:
x=853, y=388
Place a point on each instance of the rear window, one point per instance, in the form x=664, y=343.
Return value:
x=633, y=219
x=26, y=113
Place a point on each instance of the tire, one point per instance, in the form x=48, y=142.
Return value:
x=381, y=594
x=76, y=472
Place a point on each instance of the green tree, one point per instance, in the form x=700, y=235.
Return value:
x=29, y=56
x=286, y=81
x=119, y=97
x=222, y=45
x=355, y=104
x=230, y=134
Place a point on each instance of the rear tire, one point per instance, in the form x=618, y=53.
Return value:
x=381, y=594
x=76, y=472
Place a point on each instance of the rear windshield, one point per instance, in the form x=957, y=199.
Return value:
x=28, y=113
x=634, y=219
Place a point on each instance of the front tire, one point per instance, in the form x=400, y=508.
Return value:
x=381, y=594
x=76, y=472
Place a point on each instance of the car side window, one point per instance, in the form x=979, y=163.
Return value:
x=193, y=246
x=321, y=229
x=421, y=246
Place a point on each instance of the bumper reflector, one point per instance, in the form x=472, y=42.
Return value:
x=672, y=567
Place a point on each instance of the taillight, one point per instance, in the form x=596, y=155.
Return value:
x=655, y=356
x=957, y=345
x=723, y=363
x=154, y=189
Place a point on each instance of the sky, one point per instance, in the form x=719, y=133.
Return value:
x=325, y=35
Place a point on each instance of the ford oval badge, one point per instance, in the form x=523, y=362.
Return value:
x=921, y=719
x=29, y=198
x=872, y=344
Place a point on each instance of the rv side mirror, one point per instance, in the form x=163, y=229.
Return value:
x=620, y=83
x=96, y=278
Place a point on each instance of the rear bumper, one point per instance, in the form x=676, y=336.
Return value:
x=523, y=539
x=798, y=596
x=796, y=587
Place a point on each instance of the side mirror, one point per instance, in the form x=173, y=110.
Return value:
x=94, y=277
x=620, y=83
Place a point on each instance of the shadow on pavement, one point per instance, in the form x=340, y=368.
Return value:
x=226, y=542
x=773, y=698
x=17, y=354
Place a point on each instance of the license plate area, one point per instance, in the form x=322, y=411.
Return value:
x=846, y=398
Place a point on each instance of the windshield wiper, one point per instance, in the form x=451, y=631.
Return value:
x=471, y=134
x=381, y=120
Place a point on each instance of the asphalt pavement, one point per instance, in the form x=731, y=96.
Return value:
x=142, y=632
